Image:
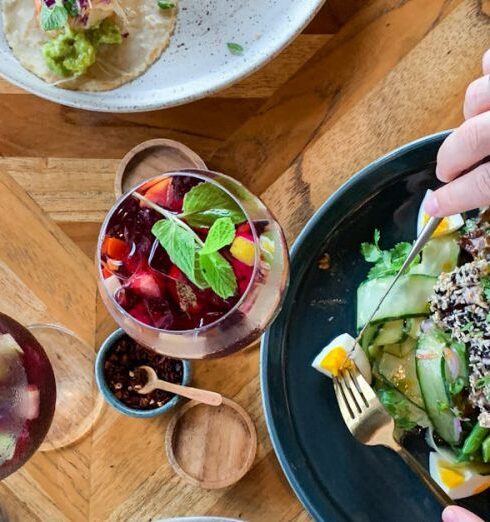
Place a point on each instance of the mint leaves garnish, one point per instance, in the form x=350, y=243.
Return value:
x=53, y=18
x=219, y=274
x=386, y=262
x=180, y=245
x=205, y=203
x=200, y=261
x=221, y=234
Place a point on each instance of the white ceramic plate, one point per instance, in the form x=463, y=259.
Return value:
x=197, y=62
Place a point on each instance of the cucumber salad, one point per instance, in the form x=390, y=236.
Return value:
x=427, y=351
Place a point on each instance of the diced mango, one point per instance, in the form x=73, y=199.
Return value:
x=244, y=250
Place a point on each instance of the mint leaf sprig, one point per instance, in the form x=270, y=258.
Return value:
x=200, y=261
x=205, y=203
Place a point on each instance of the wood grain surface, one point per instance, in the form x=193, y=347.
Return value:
x=365, y=77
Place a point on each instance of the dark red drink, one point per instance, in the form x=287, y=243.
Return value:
x=27, y=395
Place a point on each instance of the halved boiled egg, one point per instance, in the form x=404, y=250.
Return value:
x=456, y=480
x=340, y=355
x=448, y=225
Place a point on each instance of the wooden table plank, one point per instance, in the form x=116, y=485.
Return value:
x=326, y=88
x=413, y=100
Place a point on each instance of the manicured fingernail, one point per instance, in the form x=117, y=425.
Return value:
x=431, y=205
x=450, y=515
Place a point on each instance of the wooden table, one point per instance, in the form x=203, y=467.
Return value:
x=365, y=77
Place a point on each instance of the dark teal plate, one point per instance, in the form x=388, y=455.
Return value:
x=335, y=477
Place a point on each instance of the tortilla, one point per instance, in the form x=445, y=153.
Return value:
x=149, y=31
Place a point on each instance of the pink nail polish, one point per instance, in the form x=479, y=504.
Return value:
x=431, y=205
x=449, y=515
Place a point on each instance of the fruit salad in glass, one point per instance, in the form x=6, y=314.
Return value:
x=27, y=395
x=192, y=265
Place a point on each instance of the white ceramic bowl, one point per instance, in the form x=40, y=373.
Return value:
x=197, y=62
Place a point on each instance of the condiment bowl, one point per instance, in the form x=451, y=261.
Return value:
x=116, y=403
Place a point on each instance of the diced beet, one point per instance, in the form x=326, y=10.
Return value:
x=140, y=312
x=243, y=274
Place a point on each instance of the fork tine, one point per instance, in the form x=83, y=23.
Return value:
x=344, y=406
x=362, y=385
x=354, y=390
x=349, y=395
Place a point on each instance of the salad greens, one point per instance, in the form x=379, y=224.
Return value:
x=386, y=262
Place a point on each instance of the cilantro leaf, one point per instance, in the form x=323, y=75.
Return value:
x=179, y=244
x=485, y=282
x=221, y=234
x=235, y=48
x=71, y=7
x=386, y=262
x=205, y=203
x=219, y=274
x=398, y=407
x=53, y=18
x=456, y=386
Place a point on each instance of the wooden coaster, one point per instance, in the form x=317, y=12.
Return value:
x=152, y=158
x=211, y=447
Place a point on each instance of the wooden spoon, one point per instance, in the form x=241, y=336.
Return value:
x=154, y=383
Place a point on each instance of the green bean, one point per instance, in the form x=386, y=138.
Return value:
x=475, y=439
x=486, y=449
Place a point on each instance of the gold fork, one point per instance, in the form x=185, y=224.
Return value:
x=372, y=425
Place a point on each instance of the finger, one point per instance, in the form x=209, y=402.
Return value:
x=465, y=193
x=486, y=62
x=465, y=147
x=477, y=98
x=459, y=514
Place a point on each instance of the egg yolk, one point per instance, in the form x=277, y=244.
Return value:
x=441, y=229
x=336, y=360
x=450, y=477
x=481, y=487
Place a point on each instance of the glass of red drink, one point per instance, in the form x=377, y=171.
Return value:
x=192, y=265
x=27, y=395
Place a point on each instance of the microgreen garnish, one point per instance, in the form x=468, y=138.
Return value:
x=199, y=261
x=165, y=5
x=386, y=262
x=482, y=382
x=468, y=327
x=71, y=7
x=205, y=203
x=456, y=386
x=485, y=282
x=235, y=48
x=53, y=18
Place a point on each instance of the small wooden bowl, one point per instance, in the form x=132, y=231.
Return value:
x=152, y=158
x=211, y=447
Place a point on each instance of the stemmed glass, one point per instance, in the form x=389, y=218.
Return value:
x=137, y=282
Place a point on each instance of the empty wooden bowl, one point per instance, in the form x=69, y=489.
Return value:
x=151, y=158
x=211, y=447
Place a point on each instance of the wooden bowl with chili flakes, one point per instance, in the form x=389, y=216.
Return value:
x=118, y=382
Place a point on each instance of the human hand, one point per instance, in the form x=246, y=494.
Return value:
x=468, y=145
x=459, y=514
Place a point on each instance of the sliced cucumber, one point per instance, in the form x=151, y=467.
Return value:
x=401, y=349
x=408, y=298
x=439, y=255
x=430, y=371
x=401, y=373
x=369, y=336
x=390, y=332
x=412, y=326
